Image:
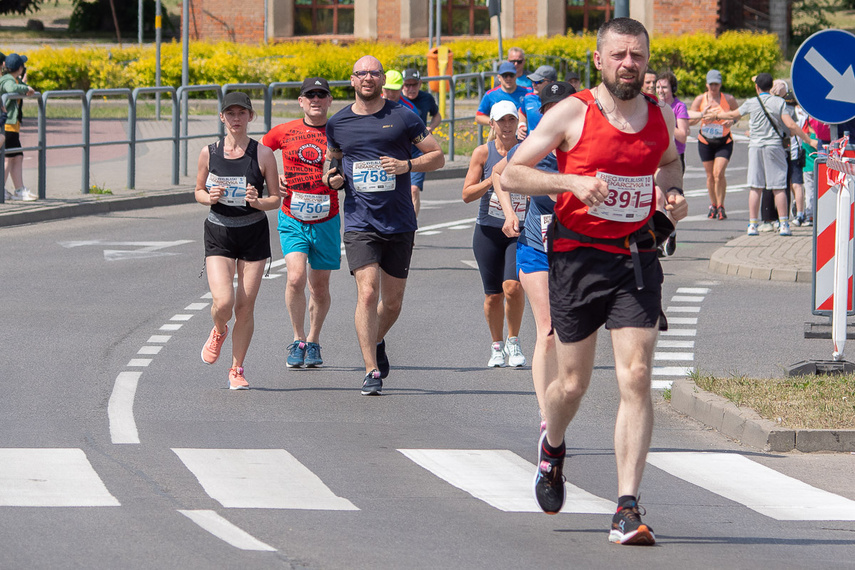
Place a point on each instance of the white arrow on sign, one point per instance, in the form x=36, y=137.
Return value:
x=842, y=85
x=146, y=248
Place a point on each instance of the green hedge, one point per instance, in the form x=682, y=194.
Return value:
x=738, y=55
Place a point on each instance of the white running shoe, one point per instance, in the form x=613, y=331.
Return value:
x=24, y=194
x=497, y=356
x=514, y=352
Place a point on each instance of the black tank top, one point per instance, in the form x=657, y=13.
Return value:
x=247, y=165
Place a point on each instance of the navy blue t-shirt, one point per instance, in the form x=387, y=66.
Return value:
x=538, y=206
x=375, y=201
x=425, y=105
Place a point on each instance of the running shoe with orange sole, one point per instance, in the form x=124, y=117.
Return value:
x=237, y=380
x=627, y=527
x=211, y=350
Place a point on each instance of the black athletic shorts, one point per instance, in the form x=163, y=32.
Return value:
x=13, y=144
x=589, y=288
x=391, y=251
x=709, y=152
x=249, y=243
x=496, y=255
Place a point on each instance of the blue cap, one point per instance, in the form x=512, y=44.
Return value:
x=14, y=62
x=506, y=67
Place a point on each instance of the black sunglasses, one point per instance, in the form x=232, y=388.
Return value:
x=517, y=61
x=315, y=94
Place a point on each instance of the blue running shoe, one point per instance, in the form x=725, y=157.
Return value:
x=296, y=354
x=373, y=384
x=382, y=359
x=548, y=481
x=313, y=355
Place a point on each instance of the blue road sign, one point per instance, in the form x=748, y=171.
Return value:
x=823, y=80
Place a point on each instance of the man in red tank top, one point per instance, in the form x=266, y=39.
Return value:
x=618, y=166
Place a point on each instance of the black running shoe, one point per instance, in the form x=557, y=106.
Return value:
x=382, y=359
x=372, y=385
x=627, y=527
x=713, y=213
x=548, y=481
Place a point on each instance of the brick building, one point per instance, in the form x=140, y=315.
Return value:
x=402, y=20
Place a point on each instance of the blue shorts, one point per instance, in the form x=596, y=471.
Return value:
x=321, y=241
x=417, y=179
x=531, y=260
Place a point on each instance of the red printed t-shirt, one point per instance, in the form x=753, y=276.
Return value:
x=303, y=147
x=627, y=161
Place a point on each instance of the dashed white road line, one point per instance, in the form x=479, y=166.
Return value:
x=152, y=350
x=226, y=531
x=120, y=408
x=682, y=321
x=139, y=362
x=170, y=327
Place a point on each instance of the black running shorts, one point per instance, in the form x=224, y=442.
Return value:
x=13, y=144
x=496, y=255
x=249, y=243
x=589, y=288
x=391, y=251
x=709, y=152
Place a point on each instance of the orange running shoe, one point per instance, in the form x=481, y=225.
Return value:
x=236, y=379
x=211, y=350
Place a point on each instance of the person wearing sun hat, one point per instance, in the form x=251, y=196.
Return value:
x=495, y=252
x=12, y=81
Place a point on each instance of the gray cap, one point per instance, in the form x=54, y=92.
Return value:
x=572, y=75
x=544, y=73
x=714, y=76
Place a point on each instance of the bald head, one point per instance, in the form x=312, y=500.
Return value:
x=367, y=62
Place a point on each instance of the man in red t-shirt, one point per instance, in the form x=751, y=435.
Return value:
x=618, y=165
x=309, y=225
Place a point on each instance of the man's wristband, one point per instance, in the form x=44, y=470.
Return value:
x=409, y=165
x=675, y=189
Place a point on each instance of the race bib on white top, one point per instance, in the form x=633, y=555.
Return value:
x=518, y=202
x=369, y=176
x=545, y=220
x=235, y=193
x=629, y=198
x=713, y=130
x=310, y=207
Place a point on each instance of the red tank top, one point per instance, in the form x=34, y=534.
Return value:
x=627, y=161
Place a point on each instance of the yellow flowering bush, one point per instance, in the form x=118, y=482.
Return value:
x=738, y=55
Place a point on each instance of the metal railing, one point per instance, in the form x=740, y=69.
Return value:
x=459, y=85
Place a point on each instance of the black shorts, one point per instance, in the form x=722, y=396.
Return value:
x=391, y=251
x=797, y=175
x=249, y=243
x=13, y=142
x=709, y=152
x=589, y=288
x=496, y=255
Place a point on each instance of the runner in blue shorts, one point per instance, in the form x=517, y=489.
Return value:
x=309, y=224
x=532, y=261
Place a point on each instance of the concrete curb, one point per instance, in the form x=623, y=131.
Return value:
x=748, y=427
x=751, y=259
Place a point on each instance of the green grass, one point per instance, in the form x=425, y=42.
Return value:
x=806, y=402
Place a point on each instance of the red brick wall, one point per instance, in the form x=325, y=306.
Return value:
x=389, y=20
x=525, y=18
x=674, y=17
x=222, y=20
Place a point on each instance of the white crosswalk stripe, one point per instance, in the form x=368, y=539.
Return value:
x=260, y=479
x=500, y=478
x=756, y=486
x=50, y=478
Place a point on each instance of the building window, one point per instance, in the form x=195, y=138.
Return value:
x=323, y=17
x=465, y=18
x=588, y=15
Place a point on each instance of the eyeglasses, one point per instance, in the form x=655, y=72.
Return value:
x=315, y=94
x=411, y=85
x=517, y=61
x=364, y=73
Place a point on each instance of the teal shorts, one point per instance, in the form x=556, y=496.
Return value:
x=321, y=242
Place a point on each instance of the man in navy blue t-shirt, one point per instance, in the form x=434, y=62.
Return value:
x=368, y=156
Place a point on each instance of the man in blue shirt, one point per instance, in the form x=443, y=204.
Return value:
x=368, y=156
x=507, y=90
x=530, y=109
x=425, y=105
x=517, y=57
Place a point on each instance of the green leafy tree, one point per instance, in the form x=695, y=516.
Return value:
x=19, y=6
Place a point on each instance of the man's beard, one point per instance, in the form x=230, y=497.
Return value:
x=624, y=91
x=369, y=98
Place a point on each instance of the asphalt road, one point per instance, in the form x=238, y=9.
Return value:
x=103, y=321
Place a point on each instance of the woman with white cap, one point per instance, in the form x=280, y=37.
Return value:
x=230, y=179
x=495, y=252
x=715, y=143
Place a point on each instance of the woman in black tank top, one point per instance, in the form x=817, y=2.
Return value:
x=230, y=179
